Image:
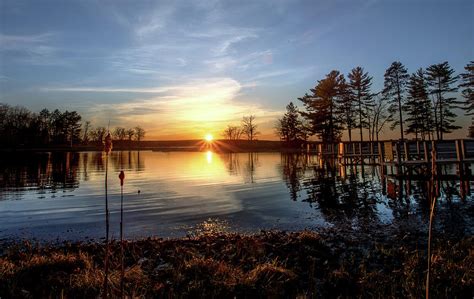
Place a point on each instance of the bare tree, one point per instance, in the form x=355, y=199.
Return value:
x=130, y=133
x=249, y=127
x=120, y=133
x=378, y=116
x=139, y=133
x=98, y=134
x=86, y=130
x=232, y=132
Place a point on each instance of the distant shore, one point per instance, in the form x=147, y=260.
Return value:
x=171, y=145
x=378, y=262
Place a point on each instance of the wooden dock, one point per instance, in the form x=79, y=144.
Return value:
x=402, y=158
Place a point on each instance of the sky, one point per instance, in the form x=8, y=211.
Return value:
x=183, y=69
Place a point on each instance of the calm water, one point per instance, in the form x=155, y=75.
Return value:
x=52, y=196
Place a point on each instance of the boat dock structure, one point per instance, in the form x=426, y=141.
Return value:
x=399, y=158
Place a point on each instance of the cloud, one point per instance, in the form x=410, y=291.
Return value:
x=106, y=89
x=33, y=49
x=191, y=109
x=227, y=43
x=16, y=42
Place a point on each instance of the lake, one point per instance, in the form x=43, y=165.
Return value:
x=60, y=196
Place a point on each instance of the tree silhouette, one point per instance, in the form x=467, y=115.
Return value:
x=440, y=80
x=395, y=79
x=98, y=134
x=467, y=85
x=322, y=107
x=418, y=106
x=347, y=110
x=139, y=133
x=232, y=132
x=378, y=116
x=290, y=127
x=359, y=87
x=120, y=133
x=130, y=133
x=86, y=132
x=249, y=127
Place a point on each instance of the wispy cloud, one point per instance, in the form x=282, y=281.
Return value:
x=14, y=42
x=106, y=89
x=193, y=108
x=155, y=22
x=33, y=49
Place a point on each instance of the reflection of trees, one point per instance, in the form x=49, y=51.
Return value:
x=338, y=195
x=40, y=171
x=249, y=168
x=342, y=199
x=293, y=169
x=128, y=160
x=232, y=163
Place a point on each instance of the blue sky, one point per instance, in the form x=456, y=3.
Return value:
x=182, y=69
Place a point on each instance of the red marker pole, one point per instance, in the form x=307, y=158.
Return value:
x=122, y=274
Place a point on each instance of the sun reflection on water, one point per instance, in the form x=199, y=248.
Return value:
x=209, y=157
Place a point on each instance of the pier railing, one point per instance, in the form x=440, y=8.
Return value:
x=406, y=153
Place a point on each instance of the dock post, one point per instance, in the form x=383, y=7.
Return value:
x=399, y=157
x=459, y=158
x=425, y=151
x=458, y=150
x=380, y=153
x=406, y=150
x=434, y=168
x=417, y=149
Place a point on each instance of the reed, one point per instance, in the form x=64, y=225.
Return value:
x=122, y=267
x=107, y=149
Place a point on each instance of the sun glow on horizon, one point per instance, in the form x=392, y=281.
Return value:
x=209, y=137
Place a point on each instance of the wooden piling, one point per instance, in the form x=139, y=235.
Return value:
x=425, y=151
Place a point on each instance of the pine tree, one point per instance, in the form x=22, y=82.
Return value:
x=467, y=83
x=359, y=87
x=347, y=110
x=322, y=107
x=396, y=78
x=290, y=127
x=440, y=80
x=418, y=106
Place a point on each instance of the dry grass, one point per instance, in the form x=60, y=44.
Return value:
x=269, y=264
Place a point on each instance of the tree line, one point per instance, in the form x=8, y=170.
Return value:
x=247, y=128
x=20, y=126
x=421, y=104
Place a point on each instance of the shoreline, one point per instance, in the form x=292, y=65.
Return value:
x=328, y=263
x=224, y=146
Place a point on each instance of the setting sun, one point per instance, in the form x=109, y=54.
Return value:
x=208, y=137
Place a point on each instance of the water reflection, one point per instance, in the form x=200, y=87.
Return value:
x=364, y=195
x=53, y=171
x=247, y=191
x=39, y=171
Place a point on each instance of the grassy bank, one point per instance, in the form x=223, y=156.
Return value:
x=269, y=264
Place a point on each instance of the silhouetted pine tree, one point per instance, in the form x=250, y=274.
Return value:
x=440, y=80
x=359, y=87
x=322, y=107
x=418, y=107
x=467, y=84
x=395, y=79
x=290, y=127
x=347, y=109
